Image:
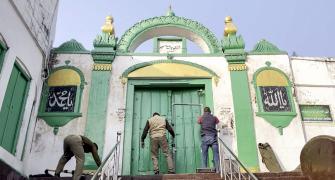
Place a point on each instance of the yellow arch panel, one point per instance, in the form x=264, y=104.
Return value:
x=271, y=78
x=64, y=77
x=169, y=70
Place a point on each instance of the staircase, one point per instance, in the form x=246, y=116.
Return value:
x=214, y=176
x=195, y=176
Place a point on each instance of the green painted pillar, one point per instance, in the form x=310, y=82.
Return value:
x=103, y=55
x=244, y=121
x=97, y=111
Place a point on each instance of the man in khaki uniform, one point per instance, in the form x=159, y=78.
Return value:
x=76, y=145
x=157, y=126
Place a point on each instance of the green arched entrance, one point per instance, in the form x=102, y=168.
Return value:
x=179, y=99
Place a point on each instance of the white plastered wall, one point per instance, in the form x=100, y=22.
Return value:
x=286, y=147
x=23, y=50
x=46, y=147
x=315, y=85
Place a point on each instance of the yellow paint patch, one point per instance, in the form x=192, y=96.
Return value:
x=64, y=77
x=169, y=70
x=271, y=78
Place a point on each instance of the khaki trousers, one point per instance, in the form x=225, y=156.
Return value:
x=73, y=146
x=156, y=143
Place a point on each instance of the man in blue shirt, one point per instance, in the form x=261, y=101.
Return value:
x=209, y=137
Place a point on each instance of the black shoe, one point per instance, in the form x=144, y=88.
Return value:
x=156, y=172
x=171, y=172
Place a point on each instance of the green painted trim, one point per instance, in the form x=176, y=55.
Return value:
x=232, y=42
x=144, y=64
x=155, y=45
x=71, y=47
x=131, y=85
x=59, y=119
x=3, y=50
x=244, y=121
x=162, y=21
x=104, y=48
x=279, y=120
x=105, y=40
x=97, y=113
x=263, y=47
x=166, y=54
x=18, y=129
x=233, y=47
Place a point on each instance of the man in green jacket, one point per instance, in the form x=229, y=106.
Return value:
x=77, y=146
x=157, y=126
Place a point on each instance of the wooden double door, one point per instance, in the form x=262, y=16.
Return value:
x=181, y=107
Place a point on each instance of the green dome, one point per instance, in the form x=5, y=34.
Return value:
x=265, y=47
x=71, y=47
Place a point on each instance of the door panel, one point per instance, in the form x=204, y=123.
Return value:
x=186, y=110
x=11, y=111
x=6, y=104
x=182, y=116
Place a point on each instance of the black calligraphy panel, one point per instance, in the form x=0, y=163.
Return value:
x=275, y=99
x=61, y=99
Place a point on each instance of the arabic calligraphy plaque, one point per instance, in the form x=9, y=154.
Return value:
x=275, y=99
x=61, y=99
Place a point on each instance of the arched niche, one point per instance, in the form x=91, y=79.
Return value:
x=61, y=96
x=274, y=97
x=169, y=26
x=169, y=69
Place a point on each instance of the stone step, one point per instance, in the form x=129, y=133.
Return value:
x=281, y=176
x=285, y=178
x=57, y=178
x=267, y=174
x=173, y=176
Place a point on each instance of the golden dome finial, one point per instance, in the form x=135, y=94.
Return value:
x=108, y=26
x=230, y=28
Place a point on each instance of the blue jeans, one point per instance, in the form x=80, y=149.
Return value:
x=206, y=142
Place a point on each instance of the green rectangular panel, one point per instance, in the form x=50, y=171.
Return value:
x=315, y=113
x=11, y=111
x=97, y=112
x=6, y=104
x=14, y=117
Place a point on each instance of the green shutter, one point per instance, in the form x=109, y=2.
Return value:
x=12, y=108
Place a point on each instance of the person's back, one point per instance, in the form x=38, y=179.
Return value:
x=157, y=126
x=209, y=137
x=208, y=124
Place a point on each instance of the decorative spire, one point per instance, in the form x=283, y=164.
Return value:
x=108, y=26
x=230, y=28
x=170, y=12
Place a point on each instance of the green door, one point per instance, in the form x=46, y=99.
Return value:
x=12, y=108
x=181, y=107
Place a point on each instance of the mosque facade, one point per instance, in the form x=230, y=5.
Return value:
x=259, y=96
